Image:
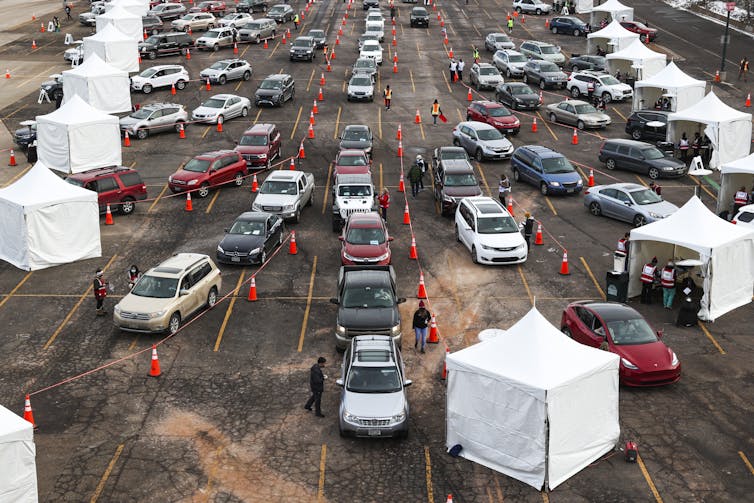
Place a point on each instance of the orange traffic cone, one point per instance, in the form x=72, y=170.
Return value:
x=322, y=79
x=189, y=204
x=332, y=54
x=219, y=124
x=28, y=413
x=252, y=297
x=181, y=132
x=401, y=184
x=399, y=134
x=445, y=376
x=417, y=118
x=395, y=67
x=406, y=216
x=393, y=34
x=450, y=53
x=283, y=39
x=395, y=57
x=188, y=54
x=748, y=101
x=320, y=96
x=41, y=27
x=189, y=31
x=7, y=73
x=108, y=216
x=337, y=39
x=412, y=251
x=311, y=131
x=301, y=152
x=266, y=45
x=400, y=149
x=254, y=184
x=395, y=42
x=293, y=249
x=329, y=68
x=469, y=97
x=575, y=137
x=564, y=264
x=126, y=140
x=292, y=165
x=315, y=108
x=455, y=77
x=445, y=41
x=510, y=205
x=547, y=24
x=340, y=30
x=311, y=118
x=154, y=369
x=590, y=182
x=144, y=35
x=450, y=499
x=33, y=44
x=208, y=86
x=538, y=238
x=717, y=75
x=235, y=48
x=534, y=125
x=172, y=89
x=12, y=161
x=422, y=292
x=433, y=338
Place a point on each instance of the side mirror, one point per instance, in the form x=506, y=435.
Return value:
x=183, y=292
x=660, y=333
x=401, y=300
x=340, y=238
x=339, y=382
x=627, y=203
x=226, y=229
x=334, y=300
x=391, y=238
x=407, y=382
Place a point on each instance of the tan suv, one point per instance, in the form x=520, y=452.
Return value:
x=168, y=294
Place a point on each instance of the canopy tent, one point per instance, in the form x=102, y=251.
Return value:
x=18, y=477
x=584, y=6
x=77, y=137
x=636, y=59
x=733, y=176
x=671, y=81
x=101, y=85
x=612, y=38
x=613, y=10
x=45, y=221
x=114, y=48
x=129, y=24
x=728, y=130
x=517, y=403
x=694, y=232
x=136, y=7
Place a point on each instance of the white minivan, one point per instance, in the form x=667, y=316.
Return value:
x=376, y=28
x=489, y=232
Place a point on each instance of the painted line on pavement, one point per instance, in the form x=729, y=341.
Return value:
x=526, y=284
x=712, y=339
x=428, y=474
x=15, y=288
x=594, y=280
x=106, y=475
x=212, y=202
x=321, y=487
x=295, y=124
x=651, y=484
x=746, y=462
x=326, y=192
x=228, y=311
x=308, y=306
x=157, y=199
x=549, y=204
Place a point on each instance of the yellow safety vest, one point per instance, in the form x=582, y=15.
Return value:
x=388, y=94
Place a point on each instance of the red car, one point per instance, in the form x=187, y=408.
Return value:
x=644, y=359
x=260, y=145
x=119, y=187
x=643, y=30
x=213, y=6
x=365, y=240
x=494, y=114
x=209, y=170
x=352, y=162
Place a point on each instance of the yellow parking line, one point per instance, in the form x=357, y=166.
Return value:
x=321, y=488
x=594, y=280
x=460, y=115
x=379, y=122
x=133, y=344
x=421, y=130
x=620, y=114
x=484, y=179
x=712, y=339
x=545, y=497
x=746, y=462
x=641, y=180
x=106, y=475
x=256, y=118
x=244, y=50
x=428, y=473
x=206, y=130
x=295, y=124
x=272, y=52
x=445, y=78
x=308, y=306
x=547, y=126
x=212, y=202
x=382, y=186
x=14, y=112
x=20, y=283
x=154, y=203
x=326, y=190
x=498, y=489
x=229, y=311
x=132, y=165
x=311, y=77
x=411, y=77
x=526, y=284
x=238, y=85
x=549, y=204
x=337, y=123
x=343, y=87
x=651, y=484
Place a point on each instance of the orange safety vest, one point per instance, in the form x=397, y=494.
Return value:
x=667, y=277
x=100, y=288
x=388, y=94
x=741, y=198
x=621, y=245
x=435, y=109
x=648, y=273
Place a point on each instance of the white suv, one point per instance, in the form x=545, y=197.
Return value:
x=216, y=38
x=605, y=85
x=492, y=236
x=531, y=6
x=160, y=76
x=509, y=62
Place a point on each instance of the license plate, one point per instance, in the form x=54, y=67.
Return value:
x=374, y=433
x=235, y=259
x=569, y=190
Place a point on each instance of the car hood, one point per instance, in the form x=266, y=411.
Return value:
x=354, y=202
x=508, y=240
x=463, y=191
x=186, y=176
x=374, y=405
x=137, y=304
x=275, y=199
x=252, y=149
x=666, y=162
x=210, y=72
x=355, y=144
x=504, y=45
x=241, y=242
x=595, y=116
x=268, y=92
x=511, y=119
x=491, y=79
x=555, y=75
x=366, y=251
x=571, y=177
x=139, y=78
x=208, y=111
x=378, y=318
x=527, y=98
x=501, y=143
x=360, y=89
x=663, y=208
x=23, y=132
x=129, y=121
x=648, y=357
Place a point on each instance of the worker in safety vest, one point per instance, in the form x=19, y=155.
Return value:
x=100, y=291
x=667, y=280
x=622, y=246
x=388, y=97
x=648, y=275
x=295, y=21
x=740, y=199
x=436, y=111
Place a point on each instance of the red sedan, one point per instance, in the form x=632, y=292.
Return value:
x=643, y=30
x=365, y=240
x=352, y=162
x=215, y=7
x=644, y=359
x=495, y=114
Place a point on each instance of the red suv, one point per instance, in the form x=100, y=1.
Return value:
x=352, y=162
x=120, y=187
x=215, y=7
x=494, y=114
x=209, y=170
x=260, y=145
x=365, y=240
x=643, y=30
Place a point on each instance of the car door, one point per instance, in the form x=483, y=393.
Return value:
x=234, y=70
x=201, y=282
x=108, y=191
x=219, y=173
x=633, y=159
x=187, y=302
x=234, y=107
x=593, y=333
x=468, y=139
x=537, y=171
x=624, y=209
x=468, y=227
x=608, y=202
x=168, y=46
x=157, y=120
x=580, y=325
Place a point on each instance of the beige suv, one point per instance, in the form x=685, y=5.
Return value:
x=168, y=294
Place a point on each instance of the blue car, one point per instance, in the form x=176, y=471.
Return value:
x=568, y=25
x=546, y=169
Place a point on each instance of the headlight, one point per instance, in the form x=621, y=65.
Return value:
x=655, y=215
x=170, y=179
x=193, y=182
x=220, y=249
x=116, y=309
x=485, y=247
x=555, y=184
x=674, y=360
x=289, y=207
x=262, y=156
x=255, y=251
x=396, y=329
x=349, y=257
x=256, y=207
x=399, y=418
x=349, y=417
x=382, y=257
x=156, y=314
x=628, y=364
x=668, y=168
x=340, y=330
x=580, y=182
x=448, y=199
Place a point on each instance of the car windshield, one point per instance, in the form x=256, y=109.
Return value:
x=361, y=81
x=316, y=33
x=79, y=183
x=276, y=10
x=501, y=38
x=148, y=73
x=522, y=89
x=155, y=287
x=652, y=153
x=218, y=66
x=373, y=380
x=142, y=113
x=585, y=109
x=355, y=190
x=252, y=26
x=554, y=165
x=254, y=140
x=630, y=332
x=197, y=165
x=301, y=43
x=452, y=154
x=364, y=63
x=214, y=103
x=549, y=67
x=271, y=84
x=369, y=297
x=370, y=46
x=352, y=160
x=356, y=134
x=188, y=17
x=488, y=71
x=420, y=12
x=275, y=187
x=639, y=25
x=549, y=49
x=499, y=112
x=609, y=81
x=645, y=196
x=516, y=58
x=365, y=236
x=497, y=225
x=212, y=34
x=247, y=228
x=460, y=180
x=374, y=28
x=489, y=134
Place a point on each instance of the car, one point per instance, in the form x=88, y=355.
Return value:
x=275, y=90
x=374, y=16
x=580, y=62
x=319, y=37
x=509, y=62
x=90, y=18
x=628, y=202
x=577, y=113
x=372, y=50
x=352, y=192
x=568, y=25
x=375, y=28
x=251, y=6
x=118, y=186
x=25, y=135
x=209, y=170
x=360, y=88
x=236, y=20
x=419, y=17
x=482, y=141
x=258, y=30
x=454, y=180
x=53, y=88
x=648, y=125
x=168, y=11
x=546, y=169
x=285, y=193
x=545, y=74
x=645, y=32
x=489, y=232
x=160, y=76
x=365, y=66
x=152, y=24
x=497, y=42
x=373, y=401
x=302, y=48
x=217, y=38
x=644, y=359
x=252, y=237
x=260, y=145
x=213, y=6
x=745, y=216
x=531, y=7
x=358, y=137
x=494, y=114
x=153, y=118
x=517, y=96
x=368, y=4
x=221, y=108
x=195, y=21
x=485, y=76
x=75, y=55
x=169, y=294
x=366, y=36
x=605, y=86
x=226, y=69
x=448, y=153
x=281, y=13
x=165, y=44
x=543, y=51
x=352, y=162
x=640, y=157
x=365, y=240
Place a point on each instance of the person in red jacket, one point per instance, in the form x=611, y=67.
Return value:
x=667, y=280
x=99, y=286
x=648, y=275
x=384, y=201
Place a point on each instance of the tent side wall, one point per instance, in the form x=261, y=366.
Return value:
x=106, y=151
x=734, y=141
x=13, y=244
x=53, y=145
x=18, y=478
x=729, y=185
x=730, y=286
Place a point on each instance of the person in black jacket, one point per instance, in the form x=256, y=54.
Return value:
x=317, y=385
x=528, y=228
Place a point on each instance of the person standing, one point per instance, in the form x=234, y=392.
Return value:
x=667, y=281
x=436, y=111
x=510, y=24
x=420, y=324
x=392, y=11
x=295, y=21
x=68, y=12
x=388, y=94
x=384, y=201
x=503, y=189
x=423, y=166
x=528, y=228
x=317, y=386
x=741, y=198
x=475, y=53
x=133, y=275
x=648, y=275
x=683, y=146
x=621, y=249
x=100, y=285
x=743, y=70
x=415, y=176
x=453, y=67
x=657, y=189
x=460, y=67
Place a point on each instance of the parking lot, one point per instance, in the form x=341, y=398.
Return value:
x=225, y=421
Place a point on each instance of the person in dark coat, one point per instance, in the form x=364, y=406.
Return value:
x=528, y=228
x=317, y=386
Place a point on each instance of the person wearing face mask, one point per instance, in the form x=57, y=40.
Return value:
x=133, y=274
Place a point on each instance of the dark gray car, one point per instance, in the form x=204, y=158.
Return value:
x=357, y=136
x=640, y=157
x=275, y=90
x=281, y=13
x=517, y=96
x=545, y=74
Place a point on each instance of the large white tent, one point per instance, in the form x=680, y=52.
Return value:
x=637, y=59
x=611, y=38
x=77, y=137
x=518, y=403
x=46, y=221
x=584, y=6
x=114, y=48
x=137, y=7
x=683, y=90
x=103, y=86
x=18, y=477
x=728, y=129
x=613, y=10
x=129, y=24
x=734, y=175
x=694, y=232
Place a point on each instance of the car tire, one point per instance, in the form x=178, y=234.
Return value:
x=567, y=332
x=186, y=29
x=184, y=50
x=238, y=179
x=457, y=233
x=639, y=220
x=610, y=164
x=575, y=68
x=516, y=175
x=518, y=9
x=263, y=258
x=152, y=55
x=653, y=173
x=525, y=78
x=222, y=79
x=606, y=97
x=142, y=133
x=146, y=89
x=479, y=155
x=178, y=126
x=595, y=209
x=180, y=85
x=542, y=84
x=643, y=38
x=127, y=206
x=257, y=40
x=580, y=125
x=543, y=188
x=576, y=33
x=474, y=256
x=247, y=75
x=508, y=73
x=297, y=216
x=175, y=323
x=203, y=190
x=552, y=117
x=220, y=118
x=244, y=112
x=216, y=47
x=538, y=12
x=212, y=298
x=575, y=92
x=554, y=30
x=468, y=117
x=155, y=31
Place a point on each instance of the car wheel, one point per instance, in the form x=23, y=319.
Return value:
x=554, y=30
x=576, y=33
x=142, y=133
x=174, y=324
x=247, y=75
x=244, y=112
x=538, y=12
x=580, y=125
x=643, y=38
x=516, y=176
x=216, y=47
x=210, y=26
x=508, y=73
x=543, y=188
x=212, y=297
x=203, y=190
x=155, y=31
x=222, y=80
x=553, y=118
x=574, y=68
x=639, y=220
x=566, y=332
x=297, y=216
x=186, y=29
x=184, y=50
x=263, y=258
x=179, y=125
x=541, y=84
x=610, y=164
x=152, y=55
x=257, y=40
x=526, y=79
x=474, y=256
x=518, y=9
x=180, y=85
x=575, y=92
x=127, y=206
x=595, y=209
x=479, y=155
x=238, y=179
x=468, y=117
x=146, y=89
x=654, y=173
x=606, y=97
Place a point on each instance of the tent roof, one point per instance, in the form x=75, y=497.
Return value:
x=693, y=226
x=532, y=352
x=118, y=12
x=40, y=186
x=77, y=111
x=709, y=110
x=743, y=165
x=611, y=6
x=14, y=428
x=636, y=50
x=93, y=66
x=670, y=77
x=613, y=30
x=109, y=34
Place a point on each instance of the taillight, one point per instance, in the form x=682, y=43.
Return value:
x=733, y=222
x=586, y=192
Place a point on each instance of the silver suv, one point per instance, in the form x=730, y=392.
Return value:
x=482, y=141
x=216, y=38
x=160, y=76
x=509, y=62
x=373, y=402
x=258, y=30
x=605, y=85
x=226, y=69
x=195, y=21
x=153, y=118
x=531, y=6
x=542, y=50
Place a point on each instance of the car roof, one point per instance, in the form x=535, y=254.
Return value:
x=457, y=166
x=542, y=151
x=253, y=216
x=498, y=33
x=259, y=128
x=304, y=38
x=368, y=278
x=572, y=102
x=277, y=76
x=630, y=143
x=360, y=178
x=232, y=60
x=92, y=173
x=215, y=153
x=485, y=65
x=488, y=103
x=611, y=311
x=225, y=96
x=624, y=185
x=537, y=42
x=283, y=175
x=363, y=219
x=357, y=126
x=486, y=206
x=351, y=151
x=175, y=265
x=451, y=148
x=476, y=125
x=154, y=106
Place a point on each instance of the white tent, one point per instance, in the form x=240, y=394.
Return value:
x=733, y=175
x=728, y=130
x=129, y=24
x=517, y=403
x=103, y=86
x=683, y=90
x=46, y=221
x=636, y=59
x=77, y=137
x=18, y=478
x=584, y=6
x=137, y=7
x=114, y=48
x=611, y=38
x=613, y=10
x=694, y=232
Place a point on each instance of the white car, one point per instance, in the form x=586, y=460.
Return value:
x=361, y=88
x=160, y=76
x=221, y=107
x=372, y=50
x=485, y=76
x=236, y=20
x=75, y=54
x=194, y=21
x=376, y=28
x=509, y=62
x=605, y=85
x=375, y=17
x=488, y=231
x=745, y=216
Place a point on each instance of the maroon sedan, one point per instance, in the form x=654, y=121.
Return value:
x=215, y=7
x=495, y=114
x=643, y=30
x=352, y=162
x=365, y=240
x=644, y=359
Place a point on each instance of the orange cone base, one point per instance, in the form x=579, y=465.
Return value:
x=252, y=297
x=189, y=204
x=28, y=413
x=433, y=337
x=154, y=369
x=108, y=216
x=293, y=248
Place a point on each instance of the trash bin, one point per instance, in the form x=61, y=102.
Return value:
x=31, y=154
x=616, y=286
x=619, y=261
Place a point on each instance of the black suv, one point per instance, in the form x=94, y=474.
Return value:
x=275, y=90
x=119, y=187
x=419, y=17
x=166, y=44
x=640, y=157
x=644, y=125
x=251, y=6
x=302, y=49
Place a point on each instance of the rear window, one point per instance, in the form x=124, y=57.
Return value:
x=131, y=179
x=610, y=147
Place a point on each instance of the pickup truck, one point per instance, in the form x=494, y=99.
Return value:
x=351, y=194
x=285, y=193
x=367, y=304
